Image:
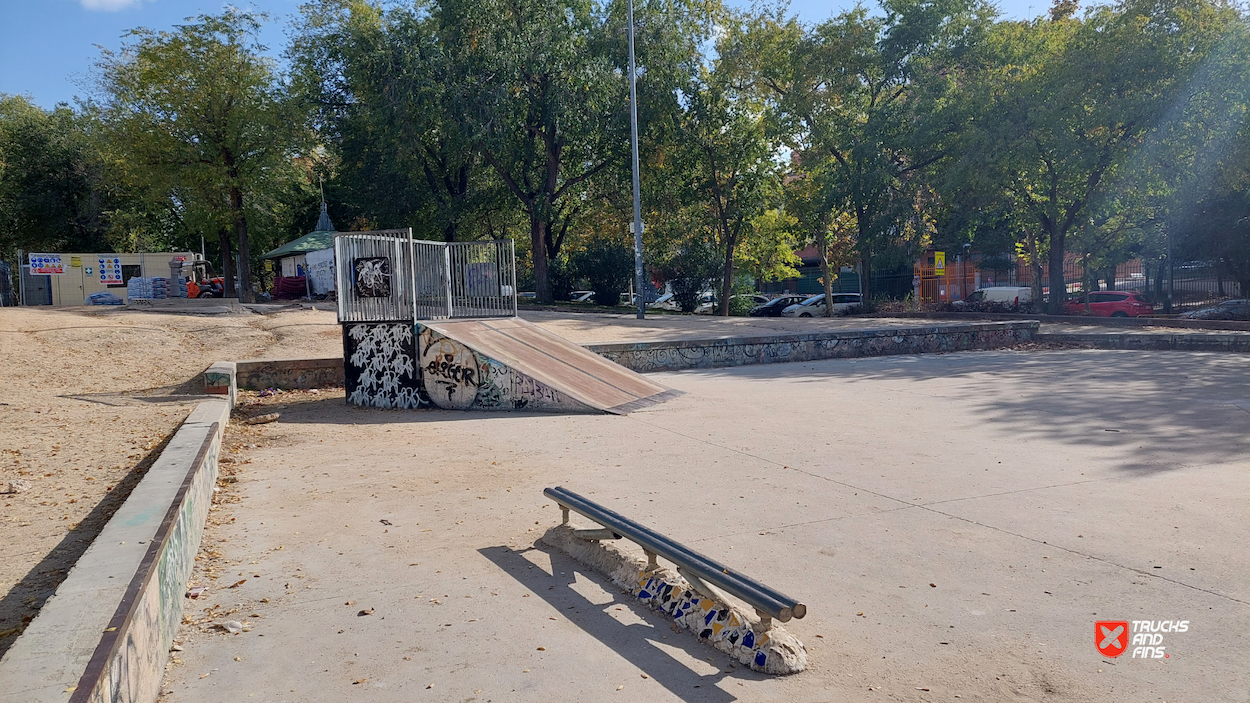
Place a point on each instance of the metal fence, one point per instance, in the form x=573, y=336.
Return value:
x=1186, y=285
x=388, y=276
x=372, y=275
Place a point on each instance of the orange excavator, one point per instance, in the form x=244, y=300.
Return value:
x=202, y=281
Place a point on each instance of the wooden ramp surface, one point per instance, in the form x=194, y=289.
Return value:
x=555, y=361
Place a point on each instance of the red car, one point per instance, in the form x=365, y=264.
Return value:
x=1111, y=304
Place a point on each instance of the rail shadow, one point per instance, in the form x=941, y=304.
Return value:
x=638, y=643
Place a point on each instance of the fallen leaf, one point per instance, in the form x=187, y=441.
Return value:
x=366, y=611
x=358, y=681
x=236, y=585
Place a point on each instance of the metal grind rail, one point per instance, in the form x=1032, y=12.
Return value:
x=698, y=569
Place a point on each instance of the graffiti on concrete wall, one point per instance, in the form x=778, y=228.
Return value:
x=673, y=356
x=133, y=673
x=380, y=366
x=503, y=387
x=450, y=371
x=387, y=365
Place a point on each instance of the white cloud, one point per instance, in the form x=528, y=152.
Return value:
x=108, y=5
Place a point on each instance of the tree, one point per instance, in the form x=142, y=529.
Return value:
x=381, y=87
x=727, y=162
x=1070, y=103
x=871, y=93
x=545, y=103
x=51, y=180
x=832, y=233
x=199, y=115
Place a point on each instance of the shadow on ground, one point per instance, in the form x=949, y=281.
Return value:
x=1164, y=410
x=642, y=644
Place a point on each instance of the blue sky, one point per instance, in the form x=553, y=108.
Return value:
x=47, y=47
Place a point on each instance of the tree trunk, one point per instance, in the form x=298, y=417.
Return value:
x=822, y=241
x=538, y=245
x=727, y=282
x=245, y=253
x=227, y=263
x=865, y=279
x=1058, y=287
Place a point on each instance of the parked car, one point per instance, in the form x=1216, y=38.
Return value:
x=706, y=305
x=815, y=305
x=1111, y=304
x=776, y=306
x=1008, y=295
x=1226, y=310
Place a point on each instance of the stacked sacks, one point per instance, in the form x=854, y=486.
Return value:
x=139, y=287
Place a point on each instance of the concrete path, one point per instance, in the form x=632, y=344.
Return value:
x=956, y=523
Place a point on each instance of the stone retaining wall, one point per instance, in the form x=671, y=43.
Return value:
x=740, y=351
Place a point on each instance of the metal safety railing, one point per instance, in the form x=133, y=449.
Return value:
x=698, y=569
x=389, y=276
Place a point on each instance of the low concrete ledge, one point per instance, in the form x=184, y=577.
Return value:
x=220, y=379
x=1192, y=341
x=676, y=355
x=290, y=374
x=105, y=634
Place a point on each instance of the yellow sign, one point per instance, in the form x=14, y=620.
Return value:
x=939, y=263
x=75, y=261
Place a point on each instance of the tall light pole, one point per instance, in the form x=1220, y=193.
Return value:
x=633, y=137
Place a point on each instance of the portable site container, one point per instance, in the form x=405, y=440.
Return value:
x=82, y=274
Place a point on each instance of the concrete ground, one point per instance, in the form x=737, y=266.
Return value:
x=956, y=524
x=601, y=328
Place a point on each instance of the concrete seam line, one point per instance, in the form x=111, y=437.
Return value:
x=726, y=627
x=120, y=623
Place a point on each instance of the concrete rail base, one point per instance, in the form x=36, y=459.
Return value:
x=724, y=626
x=105, y=635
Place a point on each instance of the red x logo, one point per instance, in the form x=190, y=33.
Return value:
x=1111, y=637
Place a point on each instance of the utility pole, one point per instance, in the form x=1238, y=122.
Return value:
x=633, y=133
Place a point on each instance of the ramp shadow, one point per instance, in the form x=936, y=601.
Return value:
x=334, y=410
x=638, y=643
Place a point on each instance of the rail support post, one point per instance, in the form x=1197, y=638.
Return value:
x=565, y=515
x=766, y=621
x=652, y=565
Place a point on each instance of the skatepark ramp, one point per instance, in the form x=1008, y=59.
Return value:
x=433, y=324
x=524, y=365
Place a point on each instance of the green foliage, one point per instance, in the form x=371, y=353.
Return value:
x=197, y=122
x=689, y=269
x=608, y=266
x=51, y=181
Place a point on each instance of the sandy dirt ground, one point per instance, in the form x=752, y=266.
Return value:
x=88, y=398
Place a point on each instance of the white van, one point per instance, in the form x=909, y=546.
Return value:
x=1011, y=295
